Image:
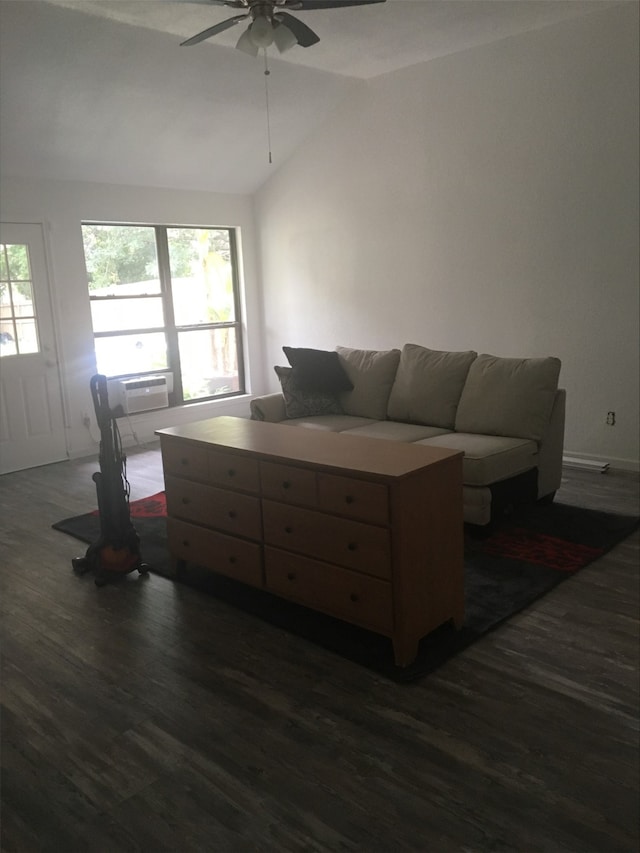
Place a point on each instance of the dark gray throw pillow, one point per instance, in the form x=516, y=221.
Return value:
x=304, y=404
x=317, y=370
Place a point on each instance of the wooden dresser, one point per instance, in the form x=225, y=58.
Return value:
x=364, y=529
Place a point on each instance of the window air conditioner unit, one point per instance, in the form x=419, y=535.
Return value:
x=144, y=394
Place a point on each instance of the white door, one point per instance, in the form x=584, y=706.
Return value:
x=31, y=419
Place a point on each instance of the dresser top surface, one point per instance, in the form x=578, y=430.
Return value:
x=282, y=443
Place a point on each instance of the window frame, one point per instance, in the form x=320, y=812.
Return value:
x=14, y=318
x=170, y=330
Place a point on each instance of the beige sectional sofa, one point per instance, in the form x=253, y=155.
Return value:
x=506, y=414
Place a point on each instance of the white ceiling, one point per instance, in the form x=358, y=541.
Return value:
x=102, y=90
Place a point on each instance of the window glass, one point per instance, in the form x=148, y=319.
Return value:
x=201, y=275
x=112, y=315
x=17, y=263
x=121, y=260
x=209, y=362
x=27, y=335
x=120, y=355
x=23, y=298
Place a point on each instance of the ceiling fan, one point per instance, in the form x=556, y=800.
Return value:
x=271, y=23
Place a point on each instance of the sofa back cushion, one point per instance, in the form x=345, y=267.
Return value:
x=508, y=396
x=372, y=373
x=428, y=386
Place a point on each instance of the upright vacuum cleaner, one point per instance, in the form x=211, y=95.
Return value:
x=116, y=552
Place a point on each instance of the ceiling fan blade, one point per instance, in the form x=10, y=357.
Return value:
x=213, y=31
x=306, y=36
x=235, y=4
x=302, y=5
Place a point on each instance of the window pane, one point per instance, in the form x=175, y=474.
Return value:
x=209, y=363
x=27, y=336
x=121, y=259
x=5, y=300
x=18, y=262
x=22, y=298
x=7, y=339
x=202, y=281
x=121, y=314
x=126, y=354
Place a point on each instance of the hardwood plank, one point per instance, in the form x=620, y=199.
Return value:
x=148, y=716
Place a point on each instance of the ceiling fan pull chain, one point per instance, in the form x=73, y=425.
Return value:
x=266, y=96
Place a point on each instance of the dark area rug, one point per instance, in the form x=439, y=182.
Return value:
x=530, y=553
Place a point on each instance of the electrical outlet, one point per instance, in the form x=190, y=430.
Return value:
x=611, y=418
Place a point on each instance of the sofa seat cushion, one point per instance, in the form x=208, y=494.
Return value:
x=489, y=458
x=371, y=372
x=428, y=386
x=508, y=396
x=330, y=423
x=395, y=431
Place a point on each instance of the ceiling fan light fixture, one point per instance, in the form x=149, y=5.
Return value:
x=246, y=43
x=283, y=38
x=261, y=31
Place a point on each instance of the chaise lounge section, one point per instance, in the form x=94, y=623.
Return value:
x=506, y=414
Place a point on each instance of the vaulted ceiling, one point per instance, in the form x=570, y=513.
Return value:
x=101, y=90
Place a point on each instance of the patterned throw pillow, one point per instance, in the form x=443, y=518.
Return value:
x=305, y=404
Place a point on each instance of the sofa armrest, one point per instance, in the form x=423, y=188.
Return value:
x=269, y=408
x=551, y=448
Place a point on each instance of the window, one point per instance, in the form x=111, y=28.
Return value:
x=166, y=300
x=18, y=328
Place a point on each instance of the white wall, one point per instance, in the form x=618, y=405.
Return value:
x=487, y=200
x=62, y=206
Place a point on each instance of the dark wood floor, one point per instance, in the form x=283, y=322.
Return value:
x=148, y=716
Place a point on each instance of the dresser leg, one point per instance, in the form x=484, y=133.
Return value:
x=176, y=566
x=458, y=616
x=405, y=650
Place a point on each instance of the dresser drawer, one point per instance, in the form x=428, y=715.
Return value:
x=230, y=512
x=236, y=472
x=357, y=598
x=337, y=540
x=354, y=498
x=184, y=459
x=227, y=555
x=288, y=484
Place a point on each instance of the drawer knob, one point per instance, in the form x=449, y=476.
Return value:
x=288, y=530
x=354, y=596
x=231, y=472
x=185, y=542
x=186, y=500
x=184, y=461
x=232, y=559
x=232, y=513
x=286, y=484
x=349, y=499
x=352, y=546
x=291, y=576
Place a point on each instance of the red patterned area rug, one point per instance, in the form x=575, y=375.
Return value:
x=529, y=554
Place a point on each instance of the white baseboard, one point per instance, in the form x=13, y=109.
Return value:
x=587, y=463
